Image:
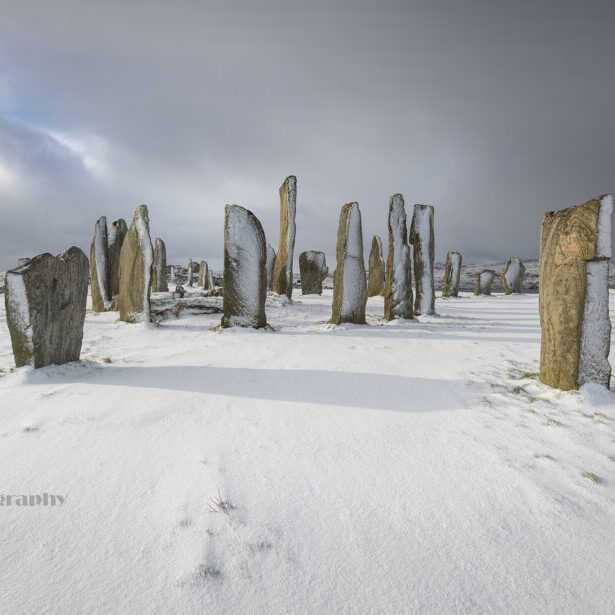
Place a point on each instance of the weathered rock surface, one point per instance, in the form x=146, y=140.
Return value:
x=452, y=275
x=209, y=282
x=190, y=273
x=270, y=266
x=575, y=248
x=484, y=280
x=23, y=261
x=99, y=267
x=398, y=287
x=117, y=232
x=45, y=308
x=159, y=271
x=283, y=269
x=202, y=274
x=136, y=261
x=375, y=285
x=313, y=270
x=349, y=280
x=245, y=277
x=512, y=275
x=422, y=240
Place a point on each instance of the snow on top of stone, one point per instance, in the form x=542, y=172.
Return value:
x=17, y=305
x=141, y=224
x=603, y=249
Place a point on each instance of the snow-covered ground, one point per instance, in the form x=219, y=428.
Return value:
x=389, y=468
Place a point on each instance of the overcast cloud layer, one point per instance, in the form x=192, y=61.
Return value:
x=494, y=112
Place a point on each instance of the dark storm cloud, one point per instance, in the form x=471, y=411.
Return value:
x=492, y=111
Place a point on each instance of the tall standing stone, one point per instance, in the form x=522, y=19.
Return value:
x=270, y=266
x=512, y=275
x=398, y=288
x=375, y=285
x=245, y=277
x=573, y=267
x=484, y=280
x=313, y=269
x=159, y=271
x=422, y=239
x=452, y=275
x=99, y=267
x=190, y=273
x=203, y=274
x=136, y=260
x=283, y=270
x=117, y=232
x=45, y=308
x=349, y=280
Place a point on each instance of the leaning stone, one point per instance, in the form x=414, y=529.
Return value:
x=117, y=232
x=375, y=284
x=99, y=267
x=512, y=275
x=283, y=270
x=313, y=270
x=136, y=260
x=575, y=248
x=245, y=278
x=452, y=275
x=159, y=271
x=422, y=239
x=398, y=288
x=484, y=280
x=270, y=266
x=45, y=308
x=349, y=280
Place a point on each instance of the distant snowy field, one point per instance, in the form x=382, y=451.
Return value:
x=390, y=468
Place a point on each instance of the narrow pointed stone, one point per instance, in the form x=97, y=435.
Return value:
x=136, y=261
x=398, y=288
x=99, y=267
x=349, y=280
x=117, y=233
x=45, y=308
x=512, y=275
x=573, y=268
x=202, y=274
x=190, y=273
x=375, y=285
x=422, y=239
x=452, y=275
x=283, y=270
x=245, y=277
x=484, y=280
x=159, y=272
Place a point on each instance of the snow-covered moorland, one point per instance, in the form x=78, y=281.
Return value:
x=390, y=468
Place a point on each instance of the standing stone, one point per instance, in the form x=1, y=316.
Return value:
x=283, y=270
x=245, y=277
x=117, y=232
x=209, y=281
x=159, y=271
x=202, y=274
x=313, y=270
x=573, y=267
x=484, y=280
x=512, y=275
x=99, y=267
x=422, y=239
x=270, y=266
x=452, y=275
x=349, y=280
x=375, y=285
x=136, y=260
x=190, y=273
x=45, y=308
x=398, y=288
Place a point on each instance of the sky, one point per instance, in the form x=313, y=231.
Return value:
x=492, y=112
